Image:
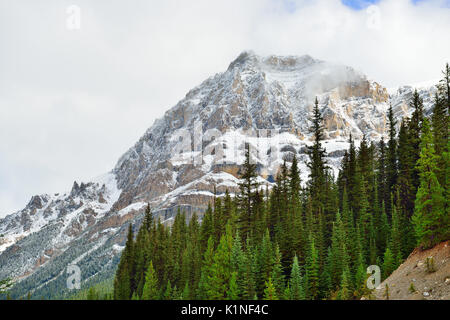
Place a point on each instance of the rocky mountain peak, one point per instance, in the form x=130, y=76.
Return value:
x=197, y=147
x=248, y=59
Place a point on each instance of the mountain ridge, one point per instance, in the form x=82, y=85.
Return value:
x=254, y=93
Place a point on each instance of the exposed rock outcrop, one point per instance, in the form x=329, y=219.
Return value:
x=425, y=275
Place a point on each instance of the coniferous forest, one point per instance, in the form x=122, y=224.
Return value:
x=305, y=239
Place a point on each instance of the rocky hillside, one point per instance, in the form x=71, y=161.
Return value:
x=425, y=275
x=197, y=146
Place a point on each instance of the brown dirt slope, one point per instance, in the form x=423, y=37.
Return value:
x=414, y=280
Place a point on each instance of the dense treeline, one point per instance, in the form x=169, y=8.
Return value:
x=305, y=241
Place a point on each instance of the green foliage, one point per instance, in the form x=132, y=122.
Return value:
x=412, y=289
x=150, y=290
x=270, y=293
x=312, y=271
x=345, y=288
x=277, y=276
x=303, y=242
x=296, y=291
x=5, y=285
x=389, y=263
x=430, y=219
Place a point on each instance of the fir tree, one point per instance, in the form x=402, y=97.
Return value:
x=389, y=263
x=430, y=219
x=345, y=291
x=150, y=290
x=317, y=163
x=312, y=271
x=396, y=237
x=383, y=193
x=247, y=194
x=277, y=275
x=440, y=128
x=391, y=164
x=233, y=288
x=220, y=271
x=414, y=130
x=360, y=276
x=204, y=285
x=270, y=291
x=296, y=282
x=124, y=280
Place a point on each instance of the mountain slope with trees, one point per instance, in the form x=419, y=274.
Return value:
x=305, y=241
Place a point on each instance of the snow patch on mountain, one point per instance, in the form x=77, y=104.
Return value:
x=94, y=199
x=265, y=102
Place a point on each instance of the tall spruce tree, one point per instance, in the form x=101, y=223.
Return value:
x=296, y=282
x=124, y=280
x=414, y=130
x=391, y=164
x=246, y=198
x=431, y=222
x=270, y=291
x=277, y=274
x=151, y=288
x=312, y=271
x=317, y=162
x=440, y=125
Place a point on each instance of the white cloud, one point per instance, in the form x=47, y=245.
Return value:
x=71, y=102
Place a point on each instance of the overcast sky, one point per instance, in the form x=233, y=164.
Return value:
x=73, y=101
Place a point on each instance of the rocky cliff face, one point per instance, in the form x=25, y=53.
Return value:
x=199, y=144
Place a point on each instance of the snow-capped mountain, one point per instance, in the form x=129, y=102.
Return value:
x=198, y=145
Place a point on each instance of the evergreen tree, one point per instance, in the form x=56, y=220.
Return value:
x=440, y=129
x=360, y=276
x=186, y=292
x=168, y=294
x=430, y=220
x=296, y=282
x=204, y=285
x=414, y=130
x=383, y=192
x=265, y=258
x=389, y=263
x=406, y=163
x=270, y=291
x=277, y=275
x=150, y=290
x=207, y=227
x=396, y=238
x=391, y=165
x=384, y=231
x=345, y=291
x=444, y=87
x=325, y=279
x=233, y=288
x=312, y=271
x=220, y=271
x=124, y=280
x=246, y=197
x=317, y=163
